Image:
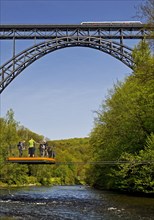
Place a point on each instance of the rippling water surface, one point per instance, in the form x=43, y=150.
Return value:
x=72, y=202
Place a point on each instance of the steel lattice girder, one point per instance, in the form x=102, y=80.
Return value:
x=107, y=31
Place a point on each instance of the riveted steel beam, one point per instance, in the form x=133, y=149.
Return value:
x=129, y=31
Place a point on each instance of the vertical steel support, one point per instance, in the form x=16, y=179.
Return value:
x=121, y=40
x=14, y=51
x=35, y=37
x=34, y=41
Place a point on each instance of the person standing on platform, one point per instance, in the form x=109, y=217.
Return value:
x=20, y=148
x=51, y=152
x=42, y=149
x=31, y=149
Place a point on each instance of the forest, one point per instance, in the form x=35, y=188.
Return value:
x=123, y=132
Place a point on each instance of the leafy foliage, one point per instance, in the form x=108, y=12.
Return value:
x=137, y=175
x=66, y=150
x=124, y=124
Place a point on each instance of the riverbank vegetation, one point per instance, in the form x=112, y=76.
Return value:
x=124, y=131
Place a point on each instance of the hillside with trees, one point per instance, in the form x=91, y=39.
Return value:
x=124, y=131
x=67, y=151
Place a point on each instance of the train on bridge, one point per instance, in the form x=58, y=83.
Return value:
x=110, y=23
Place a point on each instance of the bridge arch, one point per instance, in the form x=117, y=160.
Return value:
x=16, y=65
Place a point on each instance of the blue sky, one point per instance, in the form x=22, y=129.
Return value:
x=57, y=95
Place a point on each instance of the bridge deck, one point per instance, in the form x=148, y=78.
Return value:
x=50, y=31
x=31, y=160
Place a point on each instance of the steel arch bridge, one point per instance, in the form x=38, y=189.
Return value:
x=105, y=38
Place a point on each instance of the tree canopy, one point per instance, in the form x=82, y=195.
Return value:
x=124, y=130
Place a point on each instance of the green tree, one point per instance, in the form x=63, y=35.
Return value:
x=126, y=118
x=136, y=174
x=8, y=137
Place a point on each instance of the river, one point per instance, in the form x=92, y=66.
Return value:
x=72, y=203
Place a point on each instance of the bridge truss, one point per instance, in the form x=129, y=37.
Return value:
x=106, y=38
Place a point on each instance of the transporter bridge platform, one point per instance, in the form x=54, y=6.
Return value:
x=31, y=160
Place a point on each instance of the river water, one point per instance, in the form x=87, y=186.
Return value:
x=72, y=202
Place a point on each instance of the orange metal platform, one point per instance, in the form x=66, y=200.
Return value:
x=31, y=160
